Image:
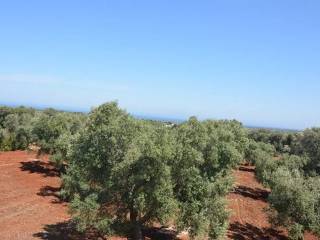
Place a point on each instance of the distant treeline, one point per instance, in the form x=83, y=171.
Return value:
x=50, y=130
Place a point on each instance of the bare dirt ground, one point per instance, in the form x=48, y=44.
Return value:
x=248, y=202
x=30, y=207
x=28, y=199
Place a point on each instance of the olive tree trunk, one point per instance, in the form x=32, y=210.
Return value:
x=136, y=232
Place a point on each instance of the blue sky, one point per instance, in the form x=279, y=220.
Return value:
x=255, y=61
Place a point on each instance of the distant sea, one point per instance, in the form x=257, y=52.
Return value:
x=273, y=128
x=140, y=116
x=177, y=120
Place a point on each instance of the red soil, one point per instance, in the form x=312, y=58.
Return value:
x=248, y=202
x=30, y=207
x=28, y=199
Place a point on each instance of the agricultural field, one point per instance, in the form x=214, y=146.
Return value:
x=109, y=175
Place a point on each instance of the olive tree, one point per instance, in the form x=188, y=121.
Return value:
x=205, y=154
x=119, y=168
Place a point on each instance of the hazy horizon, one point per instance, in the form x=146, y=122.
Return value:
x=254, y=61
x=151, y=117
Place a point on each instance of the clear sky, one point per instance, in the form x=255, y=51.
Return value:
x=255, y=61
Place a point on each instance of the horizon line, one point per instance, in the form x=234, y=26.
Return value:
x=143, y=116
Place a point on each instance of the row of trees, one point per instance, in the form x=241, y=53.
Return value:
x=294, y=182
x=51, y=130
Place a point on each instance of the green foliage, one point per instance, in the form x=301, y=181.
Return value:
x=87, y=213
x=281, y=140
x=124, y=163
x=308, y=143
x=265, y=165
x=205, y=154
x=50, y=125
x=258, y=151
x=6, y=140
x=296, y=232
x=5, y=111
x=16, y=131
x=295, y=199
x=120, y=167
x=295, y=196
x=51, y=130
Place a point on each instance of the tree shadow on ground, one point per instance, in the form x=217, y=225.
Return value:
x=40, y=167
x=67, y=231
x=254, y=193
x=155, y=233
x=247, y=231
x=246, y=169
x=49, y=191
